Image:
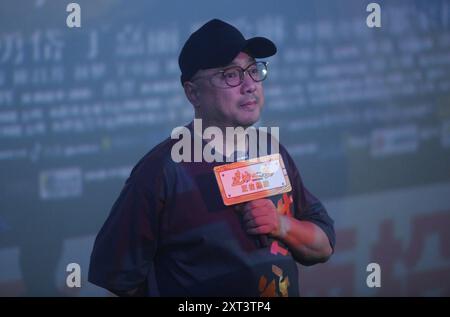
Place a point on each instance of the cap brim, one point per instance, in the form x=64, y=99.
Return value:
x=260, y=47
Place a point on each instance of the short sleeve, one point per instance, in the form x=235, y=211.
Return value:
x=307, y=206
x=122, y=257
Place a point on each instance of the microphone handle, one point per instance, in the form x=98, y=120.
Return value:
x=263, y=241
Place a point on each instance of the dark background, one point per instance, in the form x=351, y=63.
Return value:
x=365, y=112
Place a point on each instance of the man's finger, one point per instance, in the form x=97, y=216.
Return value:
x=259, y=230
x=258, y=203
x=250, y=214
x=259, y=221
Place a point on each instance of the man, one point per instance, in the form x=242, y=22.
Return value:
x=169, y=232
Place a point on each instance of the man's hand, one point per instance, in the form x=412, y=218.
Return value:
x=307, y=242
x=261, y=217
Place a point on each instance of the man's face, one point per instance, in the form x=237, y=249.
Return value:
x=230, y=106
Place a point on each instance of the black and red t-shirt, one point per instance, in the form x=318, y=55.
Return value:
x=170, y=233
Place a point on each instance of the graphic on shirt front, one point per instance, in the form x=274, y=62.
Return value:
x=277, y=287
x=284, y=208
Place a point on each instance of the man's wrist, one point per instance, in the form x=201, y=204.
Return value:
x=284, y=226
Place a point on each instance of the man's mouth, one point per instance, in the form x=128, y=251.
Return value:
x=249, y=105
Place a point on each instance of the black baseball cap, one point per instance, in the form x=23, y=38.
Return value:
x=216, y=44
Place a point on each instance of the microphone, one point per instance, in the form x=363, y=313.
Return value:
x=262, y=240
x=248, y=179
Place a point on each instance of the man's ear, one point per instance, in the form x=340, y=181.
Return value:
x=192, y=93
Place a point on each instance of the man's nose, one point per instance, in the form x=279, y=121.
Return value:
x=248, y=85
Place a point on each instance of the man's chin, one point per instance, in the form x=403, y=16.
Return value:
x=249, y=118
x=248, y=122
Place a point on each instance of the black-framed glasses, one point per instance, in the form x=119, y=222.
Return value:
x=234, y=76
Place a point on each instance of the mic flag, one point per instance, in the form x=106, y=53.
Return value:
x=252, y=179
